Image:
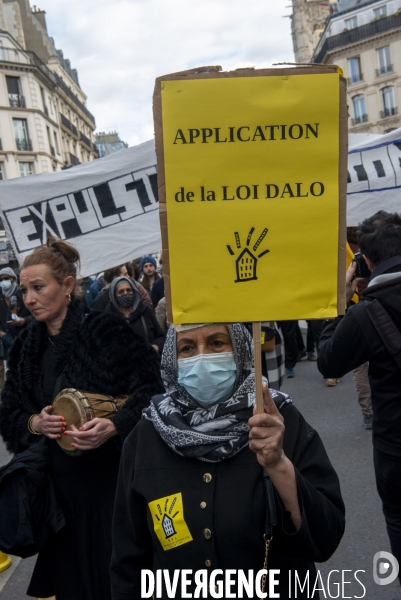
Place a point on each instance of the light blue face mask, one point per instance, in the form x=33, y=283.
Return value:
x=5, y=284
x=208, y=378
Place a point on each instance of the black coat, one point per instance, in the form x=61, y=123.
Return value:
x=157, y=292
x=100, y=353
x=101, y=300
x=143, y=321
x=350, y=341
x=29, y=513
x=234, y=510
x=97, y=354
x=8, y=306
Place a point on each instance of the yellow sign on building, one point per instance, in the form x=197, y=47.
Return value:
x=252, y=178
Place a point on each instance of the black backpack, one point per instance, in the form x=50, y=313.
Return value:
x=385, y=327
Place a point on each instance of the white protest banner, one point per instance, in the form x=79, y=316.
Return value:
x=108, y=209
x=374, y=175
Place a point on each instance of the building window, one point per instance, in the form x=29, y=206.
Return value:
x=351, y=23
x=49, y=138
x=380, y=12
x=388, y=102
x=101, y=148
x=360, y=115
x=354, y=67
x=25, y=169
x=383, y=61
x=21, y=135
x=2, y=171
x=45, y=108
x=56, y=142
x=15, y=97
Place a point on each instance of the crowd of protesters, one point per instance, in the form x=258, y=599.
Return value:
x=194, y=388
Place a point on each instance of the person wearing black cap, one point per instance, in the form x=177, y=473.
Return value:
x=149, y=275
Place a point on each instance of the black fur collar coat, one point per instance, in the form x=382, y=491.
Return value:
x=99, y=353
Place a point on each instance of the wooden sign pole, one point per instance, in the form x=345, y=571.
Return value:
x=257, y=357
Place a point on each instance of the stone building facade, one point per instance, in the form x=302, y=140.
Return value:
x=362, y=37
x=307, y=24
x=108, y=143
x=44, y=122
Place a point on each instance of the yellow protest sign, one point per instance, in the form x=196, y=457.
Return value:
x=168, y=521
x=252, y=173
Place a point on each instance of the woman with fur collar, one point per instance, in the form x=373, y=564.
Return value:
x=97, y=353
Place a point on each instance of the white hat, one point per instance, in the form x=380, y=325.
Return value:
x=8, y=271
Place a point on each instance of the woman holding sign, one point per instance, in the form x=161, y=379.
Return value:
x=207, y=485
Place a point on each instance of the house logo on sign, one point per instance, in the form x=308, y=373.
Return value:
x=168, y=526
x=168, y=521
x=246, y=262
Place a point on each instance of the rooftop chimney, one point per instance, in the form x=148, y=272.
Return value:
x=41, y=16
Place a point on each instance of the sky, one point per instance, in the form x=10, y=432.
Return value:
x=119, y=47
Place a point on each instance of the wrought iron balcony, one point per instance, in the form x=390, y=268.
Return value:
x=46, y=110
x=359, y=120
x=384, y=70
x=13, y=55
x=52, y=151
x=24, y=144
x=30, y=58
x=85, y=140
x=16, y=100
x=67, y=123
x=354, y=35
x=388, y=112
x=1, y=144
x=74, y=160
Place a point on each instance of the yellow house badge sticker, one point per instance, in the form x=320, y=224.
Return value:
x=168, y=521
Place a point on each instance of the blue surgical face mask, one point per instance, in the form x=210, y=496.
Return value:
x=208, y=378
x=5, y=284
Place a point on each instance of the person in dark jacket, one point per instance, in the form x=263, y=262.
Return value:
x=157, y=292
x=191, y=489
x=102, y=300
x=13, y=314
x=148, y=268
x=100, y=353
x=89, y=293
x=125, y=300
x=350, y=341
x=12, y=308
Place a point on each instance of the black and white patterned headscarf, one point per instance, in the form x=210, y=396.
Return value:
x=189, y=429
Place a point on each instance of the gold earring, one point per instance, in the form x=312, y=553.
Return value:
x=69, y=297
